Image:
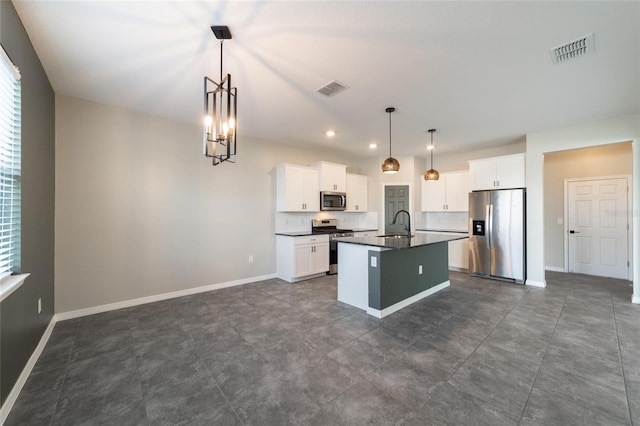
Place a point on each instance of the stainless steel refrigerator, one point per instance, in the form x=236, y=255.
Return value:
x=497, y=234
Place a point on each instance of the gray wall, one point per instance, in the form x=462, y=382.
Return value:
x=608, y=160
x=141, y=212
x=21, y=326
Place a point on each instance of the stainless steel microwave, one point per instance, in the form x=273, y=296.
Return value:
x=335, y=201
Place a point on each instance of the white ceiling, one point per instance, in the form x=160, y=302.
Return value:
x=478, y=72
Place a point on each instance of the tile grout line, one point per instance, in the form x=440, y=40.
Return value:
x=209, y=371
x=135, y=357
x=546, y=349
x=474, y=350
x=624, y=376
x=66, y=370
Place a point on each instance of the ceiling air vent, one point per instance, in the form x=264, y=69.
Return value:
x=573, y=49
x=332, y=88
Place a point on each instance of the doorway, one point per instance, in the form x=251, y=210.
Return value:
x=597, y=228
x=396, y=198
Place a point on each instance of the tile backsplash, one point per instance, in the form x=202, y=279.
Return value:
x=449, y=221
x=294, y=222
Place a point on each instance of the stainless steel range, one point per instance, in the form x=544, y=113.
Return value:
x=330, y=226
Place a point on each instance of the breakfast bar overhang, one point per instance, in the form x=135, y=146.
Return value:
x=384, y=274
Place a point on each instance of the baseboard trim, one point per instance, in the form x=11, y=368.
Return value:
x=158, y=297
x=26, y=371
x=554, y=269
x=406, y=302
x=540, y=284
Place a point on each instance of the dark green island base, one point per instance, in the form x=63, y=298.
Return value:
x=383, y=275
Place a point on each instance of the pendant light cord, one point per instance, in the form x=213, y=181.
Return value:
x=431, y=150
x=221, y=42
x=389, y=134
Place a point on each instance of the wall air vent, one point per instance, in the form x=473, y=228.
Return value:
x=332, y=88
x=573, y=49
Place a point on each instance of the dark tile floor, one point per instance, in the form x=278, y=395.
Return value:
x=275, y=353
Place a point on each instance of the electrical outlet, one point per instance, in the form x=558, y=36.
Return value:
x=39, y=305
x=420, y=269
x=374, y=262
x=251, y=258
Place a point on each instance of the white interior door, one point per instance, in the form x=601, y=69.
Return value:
x=598, y=227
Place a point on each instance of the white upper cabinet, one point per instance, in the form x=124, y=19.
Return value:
x=357, y=193
x=450, y=193
x=297, y=189
x=333, y=177
x=498, y=172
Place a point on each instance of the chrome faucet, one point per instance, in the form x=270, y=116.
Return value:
x=409, y=216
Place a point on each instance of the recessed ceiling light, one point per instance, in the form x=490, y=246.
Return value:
x=331, y=133
x=430, y=147
x=373, y=145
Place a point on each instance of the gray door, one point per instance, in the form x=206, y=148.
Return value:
x=506, y=234
x=396, y=197
x=479, y=249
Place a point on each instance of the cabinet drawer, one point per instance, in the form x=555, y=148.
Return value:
x=310, y=239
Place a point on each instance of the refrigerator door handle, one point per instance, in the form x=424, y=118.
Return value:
x=490, y=225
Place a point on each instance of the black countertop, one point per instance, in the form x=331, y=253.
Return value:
x=309, y=232
x=296, y=234
x=401, y=243
x=456, y=231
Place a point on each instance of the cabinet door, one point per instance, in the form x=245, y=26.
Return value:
x=510, y=171
x=302, y=264
x=433, y=195
x=333, y=177
x=459, y=254
x=357, y=189
x=320, y=258
x=457, y=192
x=483, y=174
x=311, y=190
x=290, y=187
x=297, y=189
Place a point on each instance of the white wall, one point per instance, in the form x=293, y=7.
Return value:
x=603, y=132
x=608, y=160
x=140, y=212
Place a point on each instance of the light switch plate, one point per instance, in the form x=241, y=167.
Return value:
x=374, y=262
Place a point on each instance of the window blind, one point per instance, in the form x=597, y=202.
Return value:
x=10, y=162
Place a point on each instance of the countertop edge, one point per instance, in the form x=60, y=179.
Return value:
x=398, y=244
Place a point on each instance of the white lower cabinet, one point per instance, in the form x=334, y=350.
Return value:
x=458, y=252
x=300, y=257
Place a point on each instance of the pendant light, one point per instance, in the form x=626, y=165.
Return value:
x=390, y=165
x=431, y=174
x=220, y=107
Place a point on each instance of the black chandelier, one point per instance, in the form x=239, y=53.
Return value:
x=220, y=112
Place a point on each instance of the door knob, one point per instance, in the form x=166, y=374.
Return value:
x=573, y=232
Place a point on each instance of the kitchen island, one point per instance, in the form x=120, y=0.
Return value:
x=382, y=275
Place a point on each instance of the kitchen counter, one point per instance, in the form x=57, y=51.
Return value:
x=455, y=231
x=383, y=275
x=296, y=234
x=401, y=243
x=309, y=232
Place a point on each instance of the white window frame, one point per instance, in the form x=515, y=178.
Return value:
x=10, y=176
